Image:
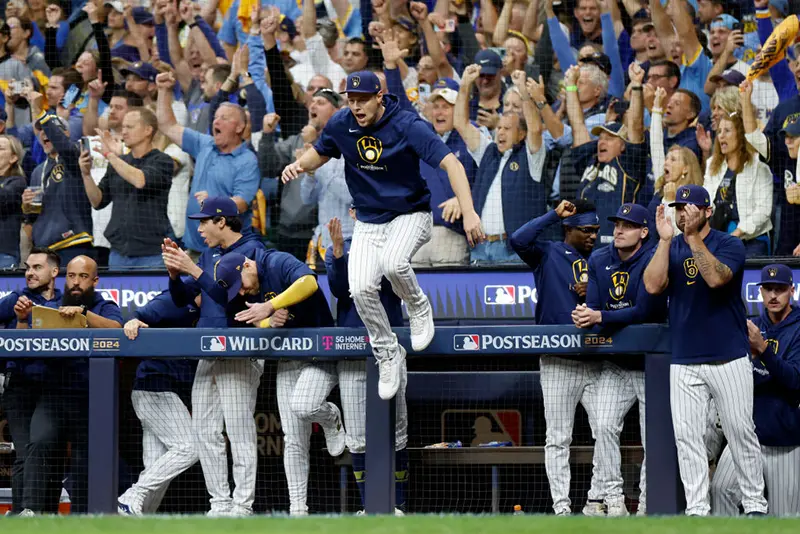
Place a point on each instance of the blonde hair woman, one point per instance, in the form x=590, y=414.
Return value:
x=12, y=184
x=679, y=166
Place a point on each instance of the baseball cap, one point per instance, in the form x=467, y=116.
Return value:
x=791, y=127
x=228, y=273
x=730, y=76
x=216, y=207
x=489, y=61
x=143, y=70
x=60, y=123
x=692, y=194
x=633, y=213
x=117, y=5
x=3, y=115
x=363, y=81
x=780, y=5
x=330, y=95
x=446, y=89
x=288, y=26
x=614, y=128
x=724, y=20
x=599, y=59
x=776, y=274
x=142, y=16
x=406, y=23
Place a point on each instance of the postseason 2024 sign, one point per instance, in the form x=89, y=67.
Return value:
x=462, y=295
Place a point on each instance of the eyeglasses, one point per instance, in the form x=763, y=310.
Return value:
x=656, y=76
x=588, y=229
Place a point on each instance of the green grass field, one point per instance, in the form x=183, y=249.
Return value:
x=403, y=525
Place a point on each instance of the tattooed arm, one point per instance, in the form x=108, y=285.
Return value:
x=714, y=272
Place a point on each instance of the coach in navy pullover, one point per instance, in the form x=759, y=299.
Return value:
x=173, y=374
x=221, y=228
x=775, y=342
x=559, y=268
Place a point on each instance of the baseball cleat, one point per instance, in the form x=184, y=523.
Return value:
x=564, y=512
x=399, y=513
x=422, y=327
x=335, y=434
x=390, y=371
x=641, y=510
x=27, y=513
x=594, y=509
x=617, y=509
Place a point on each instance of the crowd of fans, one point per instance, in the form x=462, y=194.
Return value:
x=120, y=117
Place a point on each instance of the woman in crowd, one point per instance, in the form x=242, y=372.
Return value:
x=12, y=184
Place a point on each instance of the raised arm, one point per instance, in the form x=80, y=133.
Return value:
x=461, y=122
x=551, y=121
x=616, y=81
x=503, y=23
x=657, y=133
x=166, y=119
x=427, y=21
x=529, y=111
x=656, y=275
x=182, y=71
x=735, y=40
x=530, y=26
x=635, y=115
x=580, y=134
x=684, y=25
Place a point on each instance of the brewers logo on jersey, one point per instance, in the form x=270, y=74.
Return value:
x=620, y=283
x=370, y=150
x=580, y=271
x=690, y=268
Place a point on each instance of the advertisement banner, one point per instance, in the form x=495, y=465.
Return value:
x=464, y=295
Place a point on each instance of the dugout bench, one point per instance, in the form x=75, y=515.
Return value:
x=104, y=347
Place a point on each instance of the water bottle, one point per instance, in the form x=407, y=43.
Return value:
x=518, y=510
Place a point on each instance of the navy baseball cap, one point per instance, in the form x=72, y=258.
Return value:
x=217, y=207
x=692, y=194
x=776, y=274
x=633, y=213
x=363, y=81
x=490, y=62
x=143, y=70
x=228, y=273
x=614, y=128
x=792, y=127
x=3, y=115
x=288, y=26
x=142, y=16
x=730, y=76
x=599, y=59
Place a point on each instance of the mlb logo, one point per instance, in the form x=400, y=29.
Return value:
x=466, y=342
x=499, y=295
x=213, y=343
x=110, y=294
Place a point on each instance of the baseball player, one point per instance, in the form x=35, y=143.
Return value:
x=161, y=396
x=561, y=273
x=26, y=378
x=775, y=345
x=615, y=296
x=353, y=375
x=224, y=391
x=701, y=271
x=382, y=146
x=279, y=287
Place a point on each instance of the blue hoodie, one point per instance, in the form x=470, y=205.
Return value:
x=33, y=369
x=170, y=374
x=776, y=376
x=214, y=299
x=382, y=160
x=346, y=314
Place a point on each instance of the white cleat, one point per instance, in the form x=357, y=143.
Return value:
x=564, y=512
x=399, y=513
x=390, y=371
x=298, y=513
x=641, y=511
x=27, y=513
x=422, y=329
x=218, y=513
x=594, y=509
x=128, y=509
x=335, y=434
x=617, y=509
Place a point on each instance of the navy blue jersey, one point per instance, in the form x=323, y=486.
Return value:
x=170, y=374
x=33, y=369
x=610, y=185
x=276, y=272
x=382, y=160
x=346, y=314
x=776, y=376
x=707, y=325
x=557, y=267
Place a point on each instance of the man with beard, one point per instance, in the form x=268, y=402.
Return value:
x=701, y=271
x=560, y=270
x=25, y=378
x=61, y=413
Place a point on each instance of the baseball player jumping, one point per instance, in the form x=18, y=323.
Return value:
x=382, y=146
x=281, y=291
x=702, y=273
x=775, y=344
x=353, y=375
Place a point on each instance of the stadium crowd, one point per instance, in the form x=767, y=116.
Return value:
x=152, y=134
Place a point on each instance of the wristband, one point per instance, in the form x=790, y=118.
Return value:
x=636, y=88
x=540, y=105
x=571, y=88
x=657, y=110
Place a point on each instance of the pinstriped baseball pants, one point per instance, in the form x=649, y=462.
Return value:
x=730, y=384
x=380, y=250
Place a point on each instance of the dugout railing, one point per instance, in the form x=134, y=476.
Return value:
x=104, y=348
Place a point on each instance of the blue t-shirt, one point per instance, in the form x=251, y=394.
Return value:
x=382, y=160
x=279, y=270
x=233, y=33
x=707, y=325
x=694, y=74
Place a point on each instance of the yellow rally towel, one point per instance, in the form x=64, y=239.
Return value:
x=775, y=47
x=245, y=7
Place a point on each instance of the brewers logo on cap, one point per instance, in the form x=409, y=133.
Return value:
x=626, y=210
x=772, y=272
x=356, y=81
x=685, y=193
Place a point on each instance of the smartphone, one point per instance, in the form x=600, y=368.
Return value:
x=70, y=96
x=738, y=26
x=86, y=145
x=424, y=92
